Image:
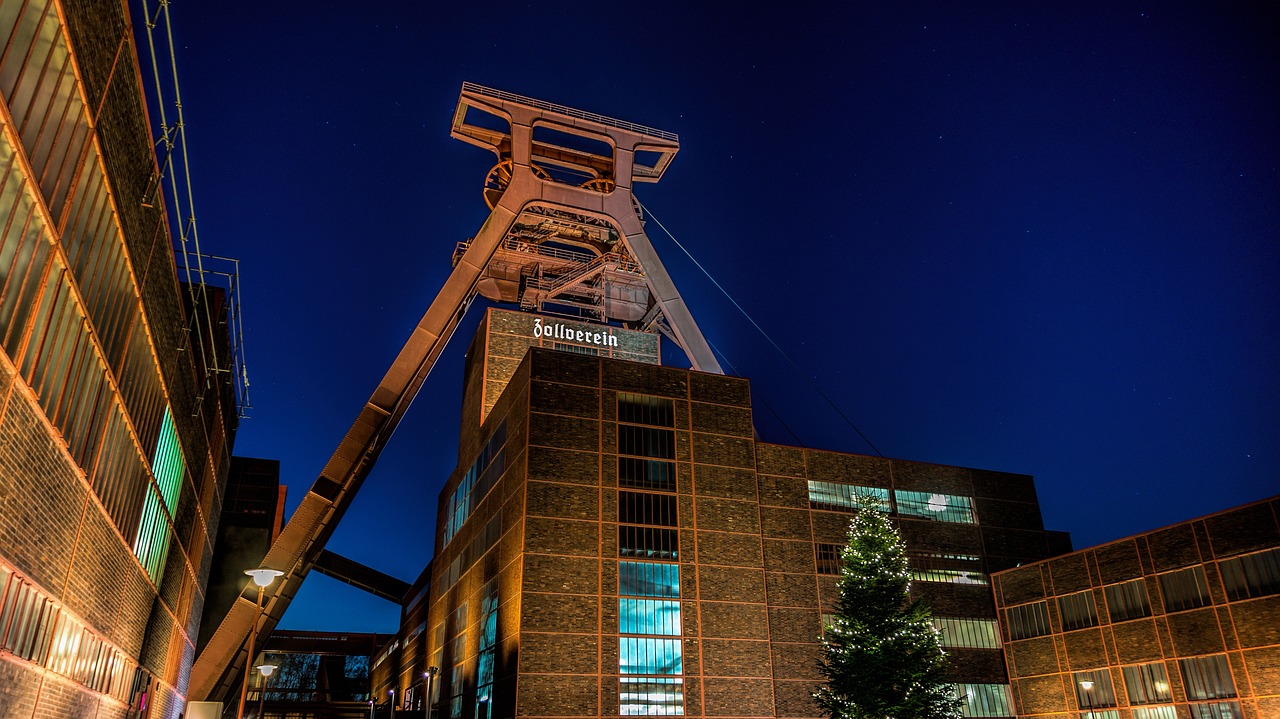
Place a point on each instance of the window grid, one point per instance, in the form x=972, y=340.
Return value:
x=838, y=497
x=35, y=628
x=1128, y=600
x=646, y=474
x=642, y=441
x=1207, y=677
x=1100, y=692
x=646, y=409
x=647, y=508
x=828, y=558
x=984, y=700
x=1077, y=610
x=1253, y=575
x=1147, y=683
x=1028, y=620
x=965, y=633
x=1184, y=589
x=946, y=568
x=935, y=506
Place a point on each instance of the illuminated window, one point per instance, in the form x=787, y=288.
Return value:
x=984, y=700
x=946, y=568
x=1184, y=589
x=1253, y=575
x=650, y=665
x=476, y=483
x=1128, y=600
x=846, y=497
x=488, y=649
x=648, y=579
x=1028, y=620
x=1077, y=610
x=968, y=634
x=1147, y=683
x=939, y=507
x=151, y=544
x=1164, y=712
x=650, y=696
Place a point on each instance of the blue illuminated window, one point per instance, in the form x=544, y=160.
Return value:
x=648, y=579
x=650, y=665
x=649, y=616
x=649, y=655
x=476, y=483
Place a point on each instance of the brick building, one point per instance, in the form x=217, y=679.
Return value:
x=616, y=542
x=1178, y=622
x=113, y=441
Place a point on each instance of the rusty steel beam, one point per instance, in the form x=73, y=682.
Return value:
x=217, y=671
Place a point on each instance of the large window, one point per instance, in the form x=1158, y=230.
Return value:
x=483, y=473
x=984, y=700
x=1128, y=600
x=1147, y=683
x=1028, y=620
x=1077, y=610
x=1253, y=575
x=647, y=473
x=644, y=409
x=646, y=441
x=938, y=507
x=1094, y=689
x=1184, y=589
x=1207, y=677
x=846, y=497
x=488, y=649
x=828, y=557
x=968, y=633
x=946, y=568
x=647, y=508
x=649, y=652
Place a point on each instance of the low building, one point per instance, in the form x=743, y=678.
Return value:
x=1178, y=622
x=615, y=541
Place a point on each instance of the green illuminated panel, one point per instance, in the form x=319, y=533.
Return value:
x=152, y=544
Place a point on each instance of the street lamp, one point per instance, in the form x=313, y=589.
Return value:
x=262, y=577
x=430, y=674
x=1087, y=686
x=392, y=692
x=266, y=670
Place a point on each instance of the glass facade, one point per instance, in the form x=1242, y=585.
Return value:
x=935, y=506
x=650, y=655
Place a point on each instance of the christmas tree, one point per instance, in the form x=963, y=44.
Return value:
x=881, y=654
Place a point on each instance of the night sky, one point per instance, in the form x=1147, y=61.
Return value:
x=1031, y=237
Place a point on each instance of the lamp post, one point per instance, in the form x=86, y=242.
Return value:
x=392, y=692
x=430, y=674
x=262, y=577
x=370, y=709
x=266, y=671
x=1087, y=686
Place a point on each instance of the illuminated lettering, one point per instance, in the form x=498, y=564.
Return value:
x=561, y=331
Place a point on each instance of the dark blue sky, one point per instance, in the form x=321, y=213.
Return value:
x=1031, y=237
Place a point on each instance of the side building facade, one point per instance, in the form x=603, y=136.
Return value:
x=113, y=442
x=1176, y=623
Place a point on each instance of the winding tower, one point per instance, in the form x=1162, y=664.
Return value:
x=565, y=235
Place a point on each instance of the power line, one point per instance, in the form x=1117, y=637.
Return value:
x=764, y=334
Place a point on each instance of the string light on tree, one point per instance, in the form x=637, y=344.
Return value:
x=881, y=656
